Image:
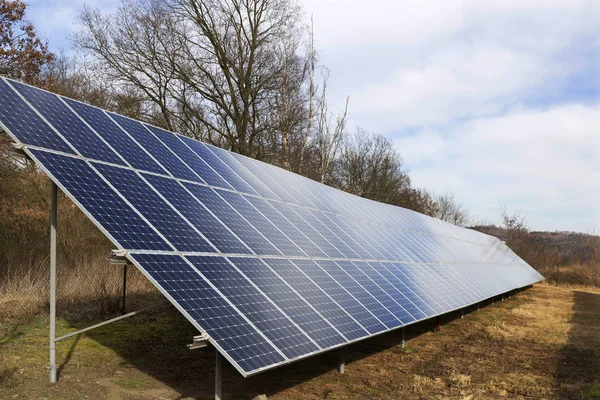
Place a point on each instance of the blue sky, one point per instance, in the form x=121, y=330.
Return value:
x=497, y=101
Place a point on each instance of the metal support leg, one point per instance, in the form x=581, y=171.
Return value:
x=403, y=343
x=462, y=313
x=124, y=289
x=53, y=284
x=342, y=365
x=438, y=326
x=218, y=375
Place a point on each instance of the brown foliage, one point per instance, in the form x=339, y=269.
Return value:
x=22, y=53
x=562, y=257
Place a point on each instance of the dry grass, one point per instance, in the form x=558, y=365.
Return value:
x=540, y=344
x=424, y=384
x=574, y=275
x=90, y=292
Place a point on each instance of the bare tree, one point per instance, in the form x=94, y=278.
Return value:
x=515, y=226
x=448, y=209
x=229, y=58
x=369, y=166
x=290, y=104
x=133, y=49
x=330, y=134
x=312, y=91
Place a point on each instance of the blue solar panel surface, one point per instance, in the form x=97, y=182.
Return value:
x=272, y=266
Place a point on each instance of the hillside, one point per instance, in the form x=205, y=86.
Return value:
x=573, y=247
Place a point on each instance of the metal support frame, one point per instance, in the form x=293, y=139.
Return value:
x=438, y=325
x=110, y=321
x=53, y=213
x=218, y=375
x=16, y=150
x=200, y=341
x=462, y=313
x=342, y=363
x=124, y=299
x=53, y=338
x=403, y=342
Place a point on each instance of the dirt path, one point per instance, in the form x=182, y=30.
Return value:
x=542, y=343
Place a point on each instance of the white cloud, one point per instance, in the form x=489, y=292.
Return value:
x=495, y=100
x=501, y=97
x=457, y=83
x=457, y=55
x=546, y=163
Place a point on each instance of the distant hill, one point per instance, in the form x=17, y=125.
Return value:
x=573, y=247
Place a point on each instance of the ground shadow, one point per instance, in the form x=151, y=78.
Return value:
x=578, y=371
x=155, y=343
x=13, y=333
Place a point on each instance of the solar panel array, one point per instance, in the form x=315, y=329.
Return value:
x=274, y=267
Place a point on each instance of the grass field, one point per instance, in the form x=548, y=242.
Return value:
x=543, y=343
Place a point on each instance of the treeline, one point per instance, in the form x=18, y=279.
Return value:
x=563, y=257
x=242, y=75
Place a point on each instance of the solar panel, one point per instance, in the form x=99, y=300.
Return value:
x=272, y=266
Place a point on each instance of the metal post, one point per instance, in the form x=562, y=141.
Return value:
x=438, y=324
x=218, y=375
x=53, y=284
x=110, y=321
x=124, y=289
x=342, y=365
x=462, y=313
x=403, y=343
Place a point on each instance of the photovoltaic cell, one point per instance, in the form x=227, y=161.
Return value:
x=275, y=325
x=369, y=301
x=101, y=202
x=261, y=223
x=359, y=272
x=291, y=215
x=243, y=173
x=198, y=215
x=225, y=325
x=197, y=164
x=402, y=296
x=291, y=231
x=229, y=216
x=219, y=166
x=160, y=152
x=256, y=170
x=315, y=219
x=173, y=227
x=317, y=298
x=341, y=295
x=116, y=137
x=271, y=265
x=297, y=309
x=22, y=121
x=68, y=124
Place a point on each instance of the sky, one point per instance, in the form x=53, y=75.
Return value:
x=496, y=101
